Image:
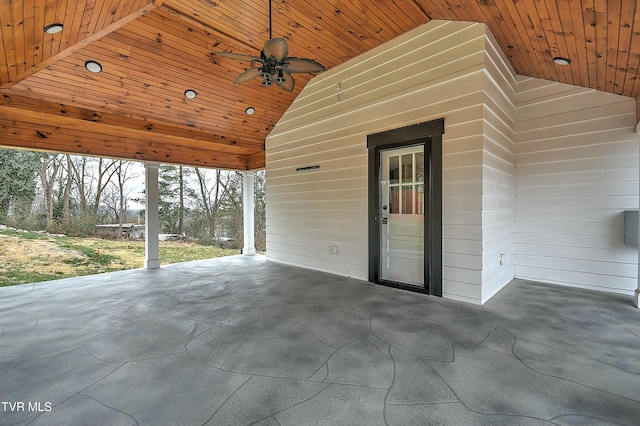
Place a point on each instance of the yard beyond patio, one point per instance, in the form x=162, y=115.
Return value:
x=27, y=257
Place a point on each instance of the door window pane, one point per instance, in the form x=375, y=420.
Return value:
x=420, y=167
x=407, y=199
x=419, y=199
x=407, y=168
x=394, y=170
x=394, y=199
x=405, y=185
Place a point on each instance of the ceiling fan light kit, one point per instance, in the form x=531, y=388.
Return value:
x=275, y=64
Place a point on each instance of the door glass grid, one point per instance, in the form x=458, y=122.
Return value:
x=401, y=229
x=406, y=184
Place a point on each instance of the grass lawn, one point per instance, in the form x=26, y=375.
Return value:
x=27, y=257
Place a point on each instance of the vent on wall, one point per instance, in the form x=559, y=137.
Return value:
x=307, y=168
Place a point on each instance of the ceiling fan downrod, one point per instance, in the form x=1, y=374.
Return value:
x=270, y=21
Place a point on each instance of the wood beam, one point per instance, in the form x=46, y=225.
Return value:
x=53, y=113
x=74, y=130
x=55, y=139
x=239, y=44
x=256, y=161
x=49, y=138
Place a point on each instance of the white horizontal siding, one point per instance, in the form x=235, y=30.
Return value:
x=537, y=171
x=430, y=56
x=577, y=171
x=432, y=72
x=498, y=186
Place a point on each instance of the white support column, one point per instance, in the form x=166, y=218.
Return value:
x=152, y=221
x=637, y=292
x=248, y=207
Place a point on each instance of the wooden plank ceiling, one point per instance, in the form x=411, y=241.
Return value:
x=152, y=51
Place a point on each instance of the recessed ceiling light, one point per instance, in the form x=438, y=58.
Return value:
x=250, y=110
x=190, y=93
x=93, y=66
x=561, y=61
x=53, y=28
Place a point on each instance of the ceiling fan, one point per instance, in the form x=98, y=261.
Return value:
x=275, y=64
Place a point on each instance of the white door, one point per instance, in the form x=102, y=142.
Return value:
x=402, y=215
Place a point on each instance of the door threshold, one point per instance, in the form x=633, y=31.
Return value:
x=403, y=286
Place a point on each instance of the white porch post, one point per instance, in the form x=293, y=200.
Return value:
x=637, y=292
x=152, y=222
x=248, y=206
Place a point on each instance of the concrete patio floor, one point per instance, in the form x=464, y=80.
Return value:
x=240, y=340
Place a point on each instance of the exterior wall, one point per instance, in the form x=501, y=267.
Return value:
x=498, y=168
x=432, y=72
x=538, y=171
x=577, y=171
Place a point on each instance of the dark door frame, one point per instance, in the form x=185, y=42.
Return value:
x=428, y=134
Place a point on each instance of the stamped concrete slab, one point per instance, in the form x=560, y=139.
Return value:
x=360, y=363
x=275, y=395
x=338, y=405
x=424, y=338
x=49, y=380
x=170, y=390
x=572, y=367
x=415, y=384
x=31, y=340
x=454, y=414
x=241, y=340
x=164, y=336
x=331, y=325
x=297, y=356
x=509, y=387
x=90, y=410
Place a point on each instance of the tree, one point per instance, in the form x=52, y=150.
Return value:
x=219, y=203
x=79, y=192
x=49, y=168
x=260, y=211
x=171, y=201
x=66, y=203
x=123, y=174
x=18, y=170
x=91, y=183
